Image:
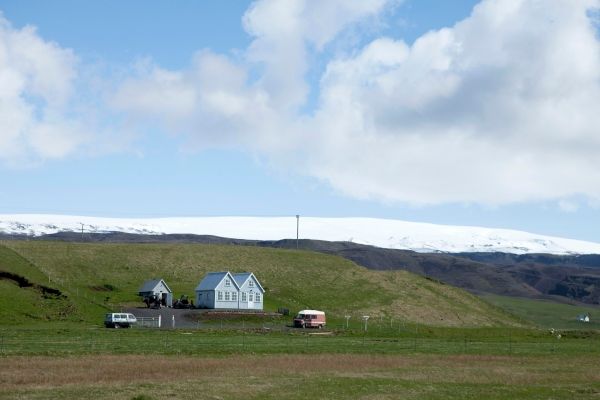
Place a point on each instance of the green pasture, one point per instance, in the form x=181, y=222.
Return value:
x=95, y=278
x=547, y=313
x=67, y=340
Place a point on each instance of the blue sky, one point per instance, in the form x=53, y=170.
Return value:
x=424, y=110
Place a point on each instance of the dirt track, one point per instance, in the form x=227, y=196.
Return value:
x=183, y=318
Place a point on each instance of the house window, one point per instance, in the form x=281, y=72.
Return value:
x=227, y=282
x=234, y=296
x=243, y=296
x=219, y=295
x=251, y=283
x=258, y=297
x=250, y=297
x=227, y=298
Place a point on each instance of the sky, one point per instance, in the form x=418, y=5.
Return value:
x=482, y=113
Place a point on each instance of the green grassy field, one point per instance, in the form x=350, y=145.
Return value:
x=98, y=277
x=65, y=340
x=425, y=363
x=425, y=340
x=548, y=314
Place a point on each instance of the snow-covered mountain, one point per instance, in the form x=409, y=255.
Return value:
x=386, y=233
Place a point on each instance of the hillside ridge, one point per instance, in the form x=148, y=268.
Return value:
x=293, y=279
x=563, y=278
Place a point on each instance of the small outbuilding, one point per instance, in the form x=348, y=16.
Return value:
x=157, y=290
x=583, y=318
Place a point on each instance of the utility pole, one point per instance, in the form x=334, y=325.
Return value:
x=297, y=228
x=81, y=231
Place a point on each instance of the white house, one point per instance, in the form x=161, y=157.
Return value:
x=251, y=291
x=223, y=290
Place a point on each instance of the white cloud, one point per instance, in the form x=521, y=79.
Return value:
x=36, y=84
x=500, y=108
x=568, y=206
x=219, y=101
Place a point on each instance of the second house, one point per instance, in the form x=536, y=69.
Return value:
x=224, y=290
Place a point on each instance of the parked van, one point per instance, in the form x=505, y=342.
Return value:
x=310, y=319
x=119, y=320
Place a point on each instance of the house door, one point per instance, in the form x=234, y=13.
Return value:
x=250, y=300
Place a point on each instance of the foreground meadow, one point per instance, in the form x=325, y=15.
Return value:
x=424, y=363
x=300, y=376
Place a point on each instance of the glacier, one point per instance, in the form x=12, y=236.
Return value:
x=385, y=233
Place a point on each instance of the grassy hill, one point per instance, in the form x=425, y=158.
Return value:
x=93, y=278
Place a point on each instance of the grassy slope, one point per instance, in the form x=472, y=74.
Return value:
x=19, y=305
x=293, y=279
x=548, y=314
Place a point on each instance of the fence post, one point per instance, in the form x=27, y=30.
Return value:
x=159, y=320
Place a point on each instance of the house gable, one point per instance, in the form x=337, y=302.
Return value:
x=247, y=281
x=217, y=281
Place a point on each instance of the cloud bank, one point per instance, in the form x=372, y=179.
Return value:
x=36, y=87
x=502, y=107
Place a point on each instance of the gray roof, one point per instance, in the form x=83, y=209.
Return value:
x=242, y=277
x=212, y=280
x=149, y=286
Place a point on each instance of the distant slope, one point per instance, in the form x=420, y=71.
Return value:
x=384, y=233
x=548, y=314
x=110, y=274
x=557, y=277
